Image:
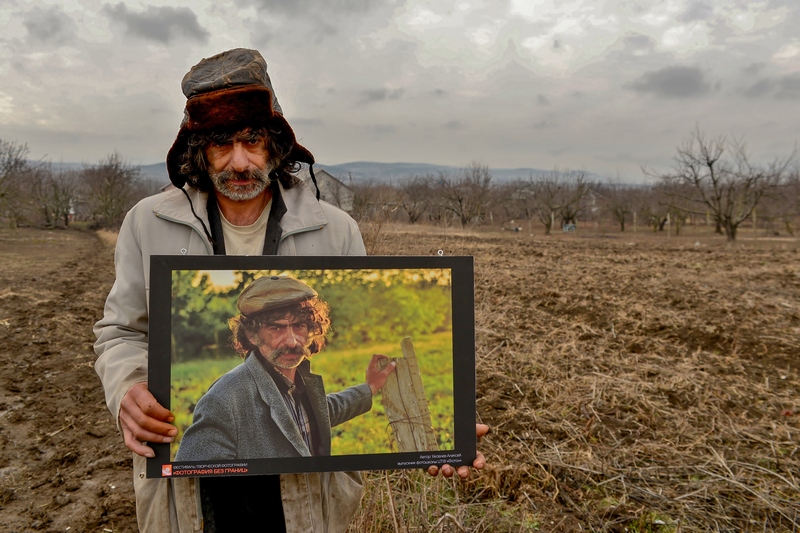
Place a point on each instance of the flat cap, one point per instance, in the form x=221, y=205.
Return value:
x=271, y=292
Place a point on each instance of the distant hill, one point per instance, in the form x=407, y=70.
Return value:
x=365, y=171
x=362, y=171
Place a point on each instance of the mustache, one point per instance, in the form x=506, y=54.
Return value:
x=295, y=350
x=255, y=174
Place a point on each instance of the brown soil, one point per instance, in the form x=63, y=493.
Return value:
x=62, y=467
x=632, y=384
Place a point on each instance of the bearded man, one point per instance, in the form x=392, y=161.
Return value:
x=272, y=405
x=232, y=165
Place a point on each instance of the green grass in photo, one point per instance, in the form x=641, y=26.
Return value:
x=190, y=381
x=370, y=432
x=339, y=369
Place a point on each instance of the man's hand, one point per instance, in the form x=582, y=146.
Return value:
x=142, y=418
x=463, y=471
x=376, y=378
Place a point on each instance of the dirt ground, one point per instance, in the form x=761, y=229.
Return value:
x=61, y=466
x=632, y=384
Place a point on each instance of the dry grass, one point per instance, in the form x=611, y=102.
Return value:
x=645, y=384
x=108, y=237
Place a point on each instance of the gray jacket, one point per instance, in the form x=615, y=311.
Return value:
x=164, y=225
x=243, y=416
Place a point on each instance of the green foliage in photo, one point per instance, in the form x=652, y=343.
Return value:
x=367, y=306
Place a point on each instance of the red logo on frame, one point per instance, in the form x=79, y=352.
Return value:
x=166, y=470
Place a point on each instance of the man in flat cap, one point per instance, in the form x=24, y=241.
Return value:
x=232, y=165
x=272, y=405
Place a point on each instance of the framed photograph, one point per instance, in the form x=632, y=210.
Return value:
x=276, y=364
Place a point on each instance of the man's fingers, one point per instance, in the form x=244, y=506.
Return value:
x=481, y=430
x=135, y=445
x=143, y=419
x=479, y=462
x=152, y=430
x=389, y=369
x=433, y=470
x=147, y=403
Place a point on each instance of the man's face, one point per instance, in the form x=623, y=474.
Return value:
x=240, y=167
x=283, y=342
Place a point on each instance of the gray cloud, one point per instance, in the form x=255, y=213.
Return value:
x=454, y=125
x=160, y=24
x=49, y=26
x=753, y=69
x=304, y=7
x=324, y=18
x=307, y=122
x=672, y=82
x=782, y=88
x=697, y=11
x=542, y=100
x=379, y=95
x=384, y=129
x=439, y=92
x=638, y=43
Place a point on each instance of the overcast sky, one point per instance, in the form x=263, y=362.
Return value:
x=604, y=86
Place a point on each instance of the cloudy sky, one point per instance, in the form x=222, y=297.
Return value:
x=605, y=86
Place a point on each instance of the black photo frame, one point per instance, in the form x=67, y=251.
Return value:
x=374, y=299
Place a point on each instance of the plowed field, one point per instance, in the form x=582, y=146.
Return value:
x=637, y=383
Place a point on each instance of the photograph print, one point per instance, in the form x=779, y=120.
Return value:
x=296, y=364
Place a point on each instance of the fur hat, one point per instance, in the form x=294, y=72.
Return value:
x=230, y=91
x=271, y=292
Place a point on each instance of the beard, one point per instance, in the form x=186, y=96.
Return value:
x=298, y=355
x=258, y=180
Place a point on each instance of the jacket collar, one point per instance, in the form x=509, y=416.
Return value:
x=303, y=212
x=272, y=397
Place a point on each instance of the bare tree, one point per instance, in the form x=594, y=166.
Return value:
x=779, y=209
x=722, y=180
x=621, y=200
x=51, y=195
x=515, y=200
x=112, y=186
x=467, y=194
x=415, y=196
x=374, y=202
x=13, y=168
x=559, y=193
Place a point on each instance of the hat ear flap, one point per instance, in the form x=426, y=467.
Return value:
x=280, y=127
x=179, y=148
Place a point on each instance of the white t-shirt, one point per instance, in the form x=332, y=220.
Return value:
x=246, y=240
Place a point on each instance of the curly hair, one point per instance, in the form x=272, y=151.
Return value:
x=194, y=164
x=315, y=313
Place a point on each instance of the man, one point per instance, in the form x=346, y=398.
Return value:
x=272, y=405
x=231, y=164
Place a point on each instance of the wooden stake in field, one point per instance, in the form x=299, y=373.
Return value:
x=406, y=405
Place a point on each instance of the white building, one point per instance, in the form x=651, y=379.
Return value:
x=331, y=189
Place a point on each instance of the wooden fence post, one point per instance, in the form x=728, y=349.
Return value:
x=406, y=405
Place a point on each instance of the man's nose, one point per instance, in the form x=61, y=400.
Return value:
x=239, y=160
x=290, y=338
